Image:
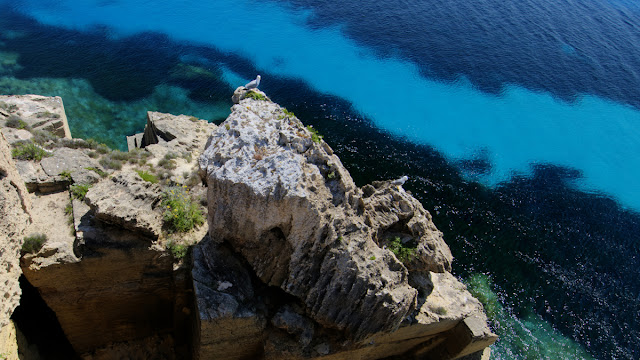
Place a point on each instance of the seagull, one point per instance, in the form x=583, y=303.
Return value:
x=400, y=181
x=253, y=84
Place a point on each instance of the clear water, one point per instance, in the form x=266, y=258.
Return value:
x=518, y=123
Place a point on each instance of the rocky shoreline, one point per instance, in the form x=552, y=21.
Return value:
x=289, y=260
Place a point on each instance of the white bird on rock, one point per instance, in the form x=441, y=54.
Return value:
x=400, y=181
x=253, y=84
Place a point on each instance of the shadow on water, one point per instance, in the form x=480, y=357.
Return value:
x=123, y=69
x=568, y=256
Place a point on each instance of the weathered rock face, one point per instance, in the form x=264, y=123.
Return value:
x=15, y=217
x=128, y=201
x=282, y=200
x=290, y=208
x=39, y=112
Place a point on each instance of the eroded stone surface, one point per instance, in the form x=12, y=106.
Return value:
x=15, y=217
x=39, y=112
x=128, y=201
x=286, y=203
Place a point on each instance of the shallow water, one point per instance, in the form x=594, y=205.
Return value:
x=517, y=122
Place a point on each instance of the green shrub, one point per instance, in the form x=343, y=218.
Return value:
x=179, y=251
x=147, y=176
x=193, y=118
x=16, y=122
x=43, y=137
x=254, y=95
x=181, y=213
x=109, y=163
x=315, y=135
x=47, y=114
x=102, y=149
x=79, y=191
x=404, y=252
x=67, y=175
x=288, y=113
x=28, y=151
x=168, y=161
x=120, y=155
x=97, y=171
x=33, y=243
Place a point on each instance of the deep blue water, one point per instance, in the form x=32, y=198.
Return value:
x=518, y=123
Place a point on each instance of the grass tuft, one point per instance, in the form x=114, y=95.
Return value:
x=14, y=121
x=79, y=191
x=28, y=151
x=256, y=96
x=181, y=213
x=33, y=243
x=315, y=135
x=404, y=252
x=179, y=251
x=147, y=176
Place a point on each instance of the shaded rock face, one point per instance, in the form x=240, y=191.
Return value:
x=15, y=217
x=285, y=204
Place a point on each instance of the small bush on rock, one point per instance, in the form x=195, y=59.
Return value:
x=147, y=176
x=33, y=243
x=254, y=95
x=16, y=122
x=79, y=191
x=181, y=213
x=179, y=251
x=28, y=151
x=404, y=252
x=315, y=135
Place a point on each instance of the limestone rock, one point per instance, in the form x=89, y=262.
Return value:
x=15, y=217
x=392, y=212
x=39, y=112
x=69, y=160
x=291, y=209
x=176, y=138
x=128, y=201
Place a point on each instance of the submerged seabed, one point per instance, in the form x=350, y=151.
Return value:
x=554, y=264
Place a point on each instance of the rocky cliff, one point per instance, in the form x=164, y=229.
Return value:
x=294, y=261
x=366, y=265
x=15, y=215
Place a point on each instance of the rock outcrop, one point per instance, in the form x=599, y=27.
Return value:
x=362, y=263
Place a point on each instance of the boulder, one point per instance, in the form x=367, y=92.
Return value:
x=128, y=201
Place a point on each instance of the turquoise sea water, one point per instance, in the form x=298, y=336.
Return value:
x=515, y=96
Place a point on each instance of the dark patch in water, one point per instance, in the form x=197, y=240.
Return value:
x=124, y=69
x=494, y=43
